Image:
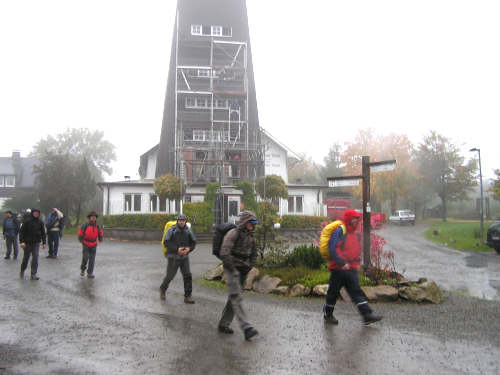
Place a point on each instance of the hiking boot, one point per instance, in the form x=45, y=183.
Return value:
x=162, y=295
x=90, y=276
x=371, y=318
x=34, y=277
x=188, y=300
x=6, y=258
x=48, y=256
x=82, y=273
x=330, y=319
x=250, y=332
x=225, y=330
x=21, y=275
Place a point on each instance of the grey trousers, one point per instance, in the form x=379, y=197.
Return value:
x=235, y=282
x=88, y=256
x=174, y=263
x=11, y=242
x=31, y=250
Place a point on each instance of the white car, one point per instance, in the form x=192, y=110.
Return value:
x=402, y=217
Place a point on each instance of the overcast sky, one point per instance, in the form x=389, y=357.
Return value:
x=323, y=69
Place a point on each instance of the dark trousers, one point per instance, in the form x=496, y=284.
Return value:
x=174, y=263
x=11, y=242
x=234, y=305
x=350, y=280
x=88, y=257
x=53, y=239
x=31, y=250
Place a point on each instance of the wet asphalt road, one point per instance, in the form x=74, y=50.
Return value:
x=116, y=324
x=471, y=273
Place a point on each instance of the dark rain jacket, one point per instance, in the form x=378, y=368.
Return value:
x=13, y=230
x=33, y=230
x=238, y=247
x=177, y=237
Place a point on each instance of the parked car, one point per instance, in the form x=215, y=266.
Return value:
x=493, y=236
x=402, y=217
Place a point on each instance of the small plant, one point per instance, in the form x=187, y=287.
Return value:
x=307, y=256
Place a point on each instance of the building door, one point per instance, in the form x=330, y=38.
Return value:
x=233, y=208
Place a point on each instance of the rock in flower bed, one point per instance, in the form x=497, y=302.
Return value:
x=419, y=291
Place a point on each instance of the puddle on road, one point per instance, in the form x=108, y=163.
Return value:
x=476, y=261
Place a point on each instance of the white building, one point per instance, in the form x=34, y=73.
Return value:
x=127, y=196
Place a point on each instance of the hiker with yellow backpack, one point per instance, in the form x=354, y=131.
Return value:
x=178, y=241
x=339, y=243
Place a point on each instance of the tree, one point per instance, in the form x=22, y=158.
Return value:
x=85, y=189
x=443, y=170
x=248, y=198
x=333, y=163
x=57, y=182
x=271, y=187
x=303, y=170
x=80, y=143
x=495, y=186
x=169, y=187
x=21, y=202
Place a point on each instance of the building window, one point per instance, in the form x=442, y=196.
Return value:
x=201, y=102
x=196, y=29
x=153, y=202
x=221, y=103
x=132, y=202
x=198, y=135
x=295, y=204
x=204, y=73
x=163, y=205
x=190, y=102
x=10, y=181
x=216, y=30
x=127, y=204
x=227, y=31
x=137, y=202
x=2, y=180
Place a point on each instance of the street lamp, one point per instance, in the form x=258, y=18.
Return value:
x=481, y=189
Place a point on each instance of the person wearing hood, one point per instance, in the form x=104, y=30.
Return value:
x=239, y=255
x=10, y=232
x=88, y=235
x=54, y=223
x=179, y=241
x=345, y=253
x=32, y=233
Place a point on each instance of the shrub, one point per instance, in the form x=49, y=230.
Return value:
x=200, y=215
x=306, y=256
x=298, y=275
x=276, y=255
x=147, y=221
x=302, y=221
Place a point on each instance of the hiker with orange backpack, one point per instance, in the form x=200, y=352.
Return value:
x=344, y=250
x=89, y=234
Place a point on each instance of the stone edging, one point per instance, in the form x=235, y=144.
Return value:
x=422, y=290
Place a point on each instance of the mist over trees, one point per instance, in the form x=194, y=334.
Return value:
x=69, y=166
x=432, y=169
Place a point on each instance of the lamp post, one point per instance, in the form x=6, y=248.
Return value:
x=481, y=189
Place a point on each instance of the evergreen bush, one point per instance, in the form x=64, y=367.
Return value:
x=302, y=221
x=306, y=256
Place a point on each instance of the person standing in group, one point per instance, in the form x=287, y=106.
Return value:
x=10, y=232
x=239, y=255
x=180, y=241
x=54, y=223
x=32, y=233
x=88, y=234
x=345, y=253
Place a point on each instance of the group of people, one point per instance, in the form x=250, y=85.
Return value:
x=33, y=233
x=239, y=255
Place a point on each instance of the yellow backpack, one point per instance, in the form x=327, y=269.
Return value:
x=325, y=236
x=168, y=224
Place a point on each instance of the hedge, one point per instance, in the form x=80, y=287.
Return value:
x=302, y=221
x=147, y=221
x=200, y=215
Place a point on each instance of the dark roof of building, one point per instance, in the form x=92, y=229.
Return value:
x=23, y=172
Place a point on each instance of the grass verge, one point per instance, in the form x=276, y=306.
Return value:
x=458, y=235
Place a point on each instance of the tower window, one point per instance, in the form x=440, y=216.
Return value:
x=196, y=29
x=216, y=30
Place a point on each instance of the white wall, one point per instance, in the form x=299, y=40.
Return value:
x=311, y=206
x=275, y=159
x=151, y=170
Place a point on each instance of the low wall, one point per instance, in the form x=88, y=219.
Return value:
x=140, y=234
